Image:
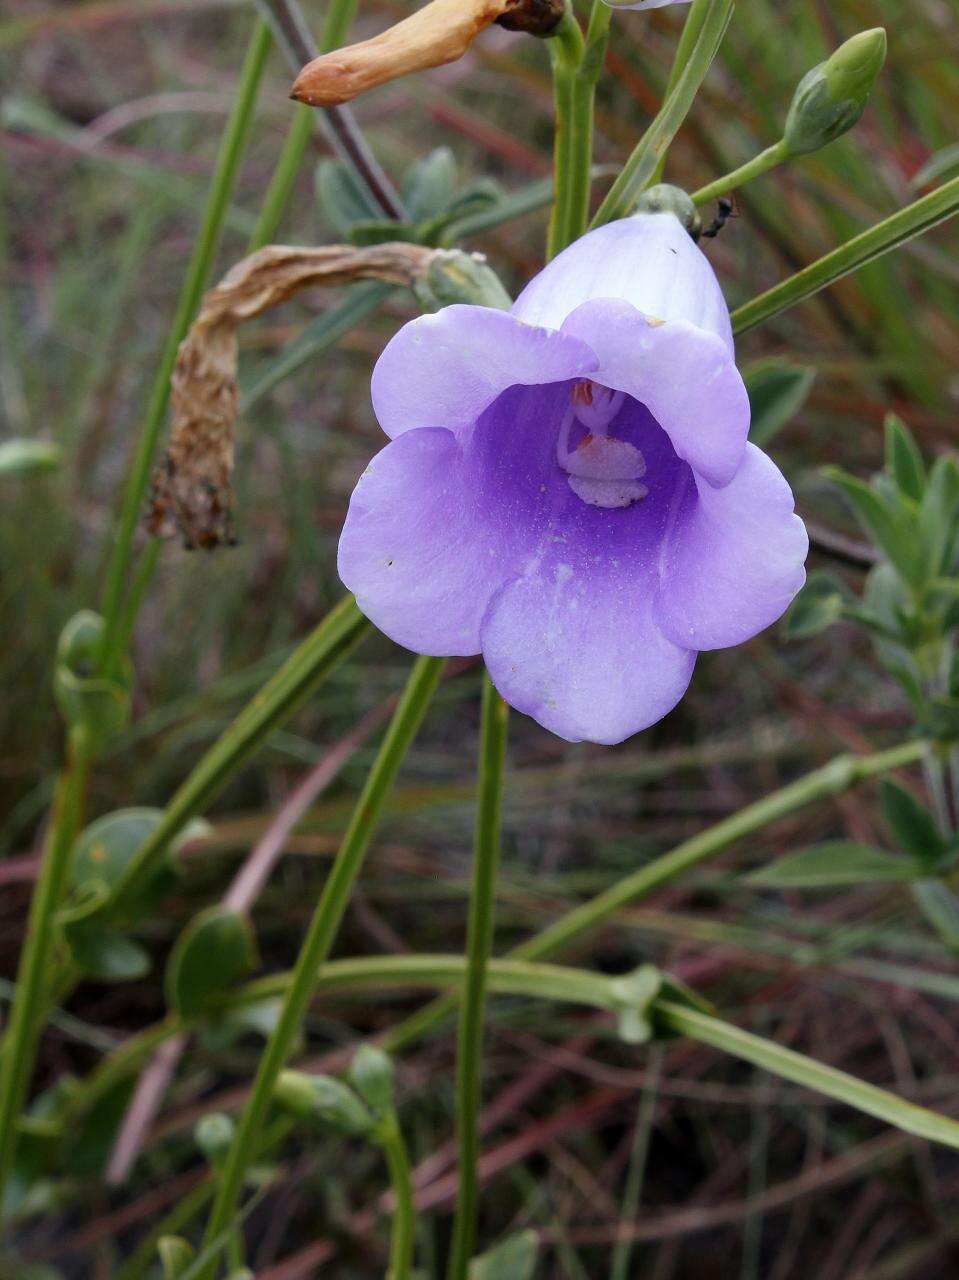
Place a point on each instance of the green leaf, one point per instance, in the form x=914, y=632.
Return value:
x=342, y=197
x=213, y=951
x=941, y=164
x=176, y=1256
x=21, y=457
x=818, y=605
x=889, y=525
x=107, y=957
x=911, y=824
x=904, y=459
x=88, y=699
x=837, y=862
x=777, y=390
x=939, y=515
x=513, y=1259
x=108, y=845
x=429, y=184
x=369, y=231
x=941, y=908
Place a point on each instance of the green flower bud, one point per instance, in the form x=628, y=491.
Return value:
x=214, y=1135
x=372, y=1076
x=665, y=198
x=832, y=96
x=325, y=1099
x=455, y=276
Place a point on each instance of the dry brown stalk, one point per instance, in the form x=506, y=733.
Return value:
x=440, y=32
x=192, y=493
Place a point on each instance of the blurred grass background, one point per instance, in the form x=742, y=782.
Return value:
x=109, y=121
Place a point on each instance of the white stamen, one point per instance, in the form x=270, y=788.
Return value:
x=602, y=471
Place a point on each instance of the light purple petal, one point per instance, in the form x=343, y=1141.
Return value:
x=573, y=640
x=734, y=558
x=647, y=260
x=685, y=376
x=438, y=522
x=443, y=370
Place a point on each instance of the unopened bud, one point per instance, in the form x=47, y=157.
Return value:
x=833, y=95
x=665, y=198
x=372, y=1076
x=323, y=1098
x=455, y=276
x=214, y=1135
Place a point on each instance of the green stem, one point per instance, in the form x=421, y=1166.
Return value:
x=640, y=169
x=834, y=778
x=469, y=1061
x=231, y=151
x=687, y=40
x=889, y=234
x=582, y=102
x=768, y=159
x=403, y=1233
x=801, y=1070
x=30, y=999
x=319, y=938
x=309, y=664
x=565, y=51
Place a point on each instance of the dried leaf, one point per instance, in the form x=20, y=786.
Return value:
x=438, y=33
x=192, y=493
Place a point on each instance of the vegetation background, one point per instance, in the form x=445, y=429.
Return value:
x=109, y=120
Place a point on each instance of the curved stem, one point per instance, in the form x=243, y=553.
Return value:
x=768, y=159
x=31, y=996
x=801, y=1070
x=640, y=169
x=839, y=775
x=319, y=938
x=582, y=101
x=469, y=1060
x=198, y=269
x=403, y=1233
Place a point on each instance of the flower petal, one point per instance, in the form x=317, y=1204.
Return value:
x=685, y=376
x=443, y=370
x=734, y=558
x=647, y=260
x=573, y=640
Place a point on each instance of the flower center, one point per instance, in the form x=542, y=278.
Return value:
x=601, y=470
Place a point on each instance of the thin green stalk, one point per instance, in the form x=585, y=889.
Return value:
x=834, y=778
x=640, y=169
x=198, y=269
x=582, y=101
x=623, y=1252
x=319, y=938
x=565, y=51
x=30, y=999
x=403, y=1232
x=892, y=232
x=789, y=1065
x=469, y=1059
x=768, y=159
x=684, y=47
x=309, y=664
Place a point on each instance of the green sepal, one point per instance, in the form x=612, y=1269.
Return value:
x=214, y=950
x=96, y=703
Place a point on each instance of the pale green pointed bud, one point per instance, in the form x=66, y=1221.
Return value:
x=372, y=1076
x=325, y=1099
x=832, y=96
x=214, y=1135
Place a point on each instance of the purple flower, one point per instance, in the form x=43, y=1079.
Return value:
x=569, y=490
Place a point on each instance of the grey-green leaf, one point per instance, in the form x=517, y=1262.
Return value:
x=777, y=391
x=214, y=949
x=837, y=862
